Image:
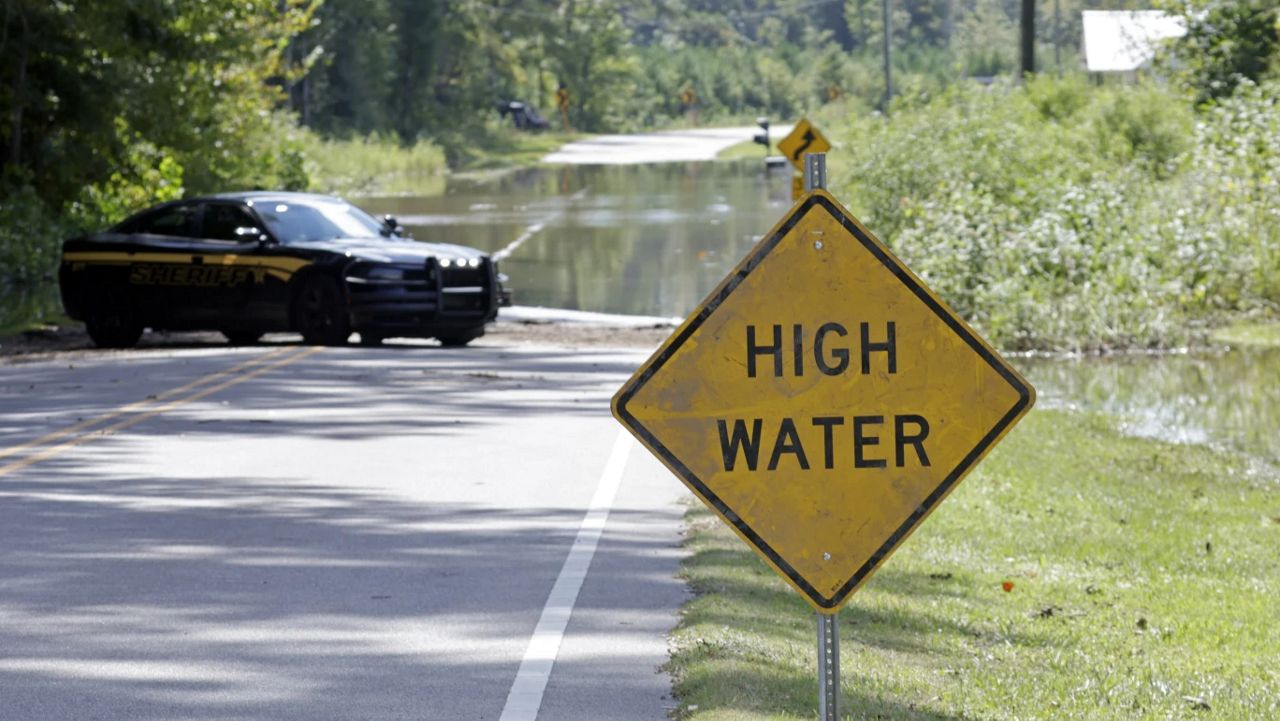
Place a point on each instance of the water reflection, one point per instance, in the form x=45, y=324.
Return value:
x=1230, y=399
x=648, y=240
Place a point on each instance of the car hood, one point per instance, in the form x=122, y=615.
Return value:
x=392, y=251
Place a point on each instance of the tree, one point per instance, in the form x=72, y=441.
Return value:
x=1227, y=42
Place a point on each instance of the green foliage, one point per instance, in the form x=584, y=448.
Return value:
x=29, y=235
x=1227, y=42
x=436, y=70
x=112, y=105
x=145, y=176
x=1065, y=218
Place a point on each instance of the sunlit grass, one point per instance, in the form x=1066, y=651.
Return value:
x=513, y=148
x=1250, y=334
x=746, y=149
x=1145, y=586
x=374, y=164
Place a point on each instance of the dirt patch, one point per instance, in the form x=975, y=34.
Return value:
x=576, y=334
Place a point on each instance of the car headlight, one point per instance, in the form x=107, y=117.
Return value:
x=460, y=262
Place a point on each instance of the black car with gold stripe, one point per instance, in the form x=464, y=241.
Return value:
x=247, y=264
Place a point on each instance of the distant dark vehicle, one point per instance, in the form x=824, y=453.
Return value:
x=247, y=264
x=523, y=116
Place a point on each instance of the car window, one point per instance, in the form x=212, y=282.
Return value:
x=294, y=222
x=227, y=222
x=178, y=221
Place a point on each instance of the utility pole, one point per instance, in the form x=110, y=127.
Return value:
x=1028, y=37
x=888, y=55
x=1057, y=35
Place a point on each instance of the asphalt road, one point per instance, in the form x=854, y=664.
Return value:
x=290, y=533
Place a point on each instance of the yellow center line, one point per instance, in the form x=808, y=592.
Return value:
x=136, y=405
x=140, y=417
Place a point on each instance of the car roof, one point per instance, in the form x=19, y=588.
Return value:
x=286, y=195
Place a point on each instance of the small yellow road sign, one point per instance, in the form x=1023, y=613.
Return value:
x=803, y=138
x=823, y=401
x=797, y=187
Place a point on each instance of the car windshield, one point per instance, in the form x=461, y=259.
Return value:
x=300, y=222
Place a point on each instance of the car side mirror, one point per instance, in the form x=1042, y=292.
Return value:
x=392, y=225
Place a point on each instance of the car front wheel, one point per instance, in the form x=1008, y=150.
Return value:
x=457, y=339
x=320, y=313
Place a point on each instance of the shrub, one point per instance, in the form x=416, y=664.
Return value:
x=1062, y=217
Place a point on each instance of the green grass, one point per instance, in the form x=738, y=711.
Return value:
x=1258, y=335
x=1145, y=586
x=376, y=165
x=506, y=148
x=745, y=149
x=368, y=165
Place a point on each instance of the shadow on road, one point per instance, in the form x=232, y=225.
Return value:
x=200, y=594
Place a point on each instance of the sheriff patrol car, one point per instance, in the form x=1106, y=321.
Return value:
x=247, y=264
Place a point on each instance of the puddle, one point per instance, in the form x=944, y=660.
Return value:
x=1226, y=399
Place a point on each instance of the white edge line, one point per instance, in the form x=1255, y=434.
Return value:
x=535, y=228
x=525, y=697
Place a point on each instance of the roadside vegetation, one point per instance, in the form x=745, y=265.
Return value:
x=372, y=164
x=1249, y=335
x=1140, y=585
x=1062, y=216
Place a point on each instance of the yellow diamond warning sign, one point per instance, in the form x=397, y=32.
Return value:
x=823, y=401
x=803, y=139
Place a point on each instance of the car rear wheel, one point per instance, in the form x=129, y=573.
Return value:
x=242, y=337
x=319, y=312
x=111, y=320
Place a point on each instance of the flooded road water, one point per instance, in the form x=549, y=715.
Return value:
x=642, y=240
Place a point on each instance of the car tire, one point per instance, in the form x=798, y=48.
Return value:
x=320, y=312
x=242, y=337
x=111, y=320
x=458, y=339
x=370, y=339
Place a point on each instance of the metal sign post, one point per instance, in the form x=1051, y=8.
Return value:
x=815, y=178
x=828, y=668
x=815, y=171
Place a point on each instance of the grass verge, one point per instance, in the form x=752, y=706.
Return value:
x=1144, y=586
x=745, y=149
x=506, y=148
x=373, y=164
x=1256, y=335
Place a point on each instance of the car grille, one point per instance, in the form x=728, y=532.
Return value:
x=423, y=294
